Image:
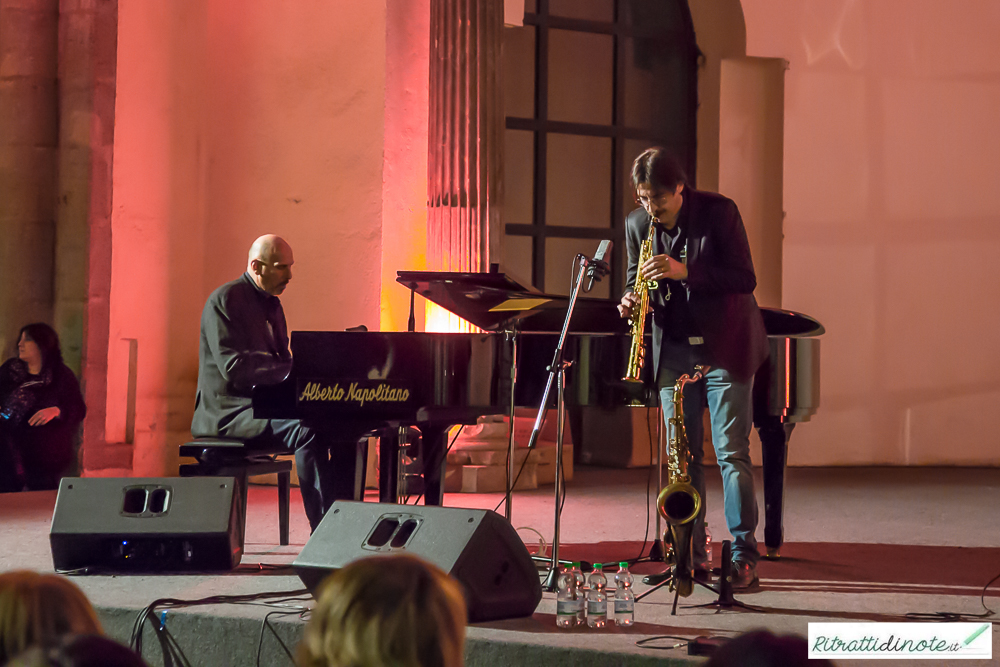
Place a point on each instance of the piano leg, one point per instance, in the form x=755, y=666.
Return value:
x=360, y=463
x=433, y=444
x=388, y=465
x=774, y=437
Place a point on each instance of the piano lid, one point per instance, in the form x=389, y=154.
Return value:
x=495, y=301
x=789, y=323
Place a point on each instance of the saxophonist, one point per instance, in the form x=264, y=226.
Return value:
x=704, y=313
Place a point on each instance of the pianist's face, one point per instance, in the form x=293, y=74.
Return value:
x=663, y=205
x=273, y=275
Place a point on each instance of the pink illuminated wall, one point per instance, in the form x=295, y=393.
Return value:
x=404, y=190
x=892, y=234
x=236, y=119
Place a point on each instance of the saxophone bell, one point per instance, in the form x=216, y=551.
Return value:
x=679, y=502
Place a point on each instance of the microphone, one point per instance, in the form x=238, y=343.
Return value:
x=598, y=266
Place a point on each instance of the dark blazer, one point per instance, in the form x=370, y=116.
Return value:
x=244, y=342
x=720, y=281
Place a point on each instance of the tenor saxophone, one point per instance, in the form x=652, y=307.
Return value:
x=679, y=502
x=637, y=320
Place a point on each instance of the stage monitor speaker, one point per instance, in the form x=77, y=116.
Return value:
x=158, y=524
x=479, y=548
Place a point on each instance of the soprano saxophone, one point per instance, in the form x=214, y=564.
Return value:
x=637, y=320
x=679, y=502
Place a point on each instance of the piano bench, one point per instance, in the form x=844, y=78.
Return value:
x=228, y=457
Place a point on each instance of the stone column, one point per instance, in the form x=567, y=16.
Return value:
x=28, y=138
x=465, y=125
x=88, y=39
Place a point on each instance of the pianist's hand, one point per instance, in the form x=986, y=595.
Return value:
x=629, y=301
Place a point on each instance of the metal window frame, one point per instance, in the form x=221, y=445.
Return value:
x=540, y=126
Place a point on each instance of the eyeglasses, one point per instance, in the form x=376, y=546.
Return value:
x=657, y=200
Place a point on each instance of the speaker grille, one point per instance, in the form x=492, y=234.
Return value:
x=392, y=532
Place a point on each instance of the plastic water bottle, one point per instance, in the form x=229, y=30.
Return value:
x=597, y=598
x=581, y=594
x=624, y=597
x=566, y=599
x=708, y=548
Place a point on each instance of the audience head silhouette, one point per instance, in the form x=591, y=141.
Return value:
x=760, y=648
x=384, y=611
x=79, y=651
x=39, y=609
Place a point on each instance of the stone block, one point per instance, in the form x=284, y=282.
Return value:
x=29, y=41
x=75, y=117
x=76, y=44
x=547, y=464
x=487, y=479
x=29, y=111
x=102, y=130
x=68, y=6
x=104, y=56
x=498, y=457
x=32, y=5
x=452, y=481
x=73, y=204
x=71, y=270
x=27, y=256
x=68, y=316
x=27, y=184
x=524, y=423
x=110, y=455
x=459, y=457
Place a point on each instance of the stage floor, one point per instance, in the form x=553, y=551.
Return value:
x=862, y=544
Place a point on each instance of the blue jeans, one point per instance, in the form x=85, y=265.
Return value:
x=730, y=410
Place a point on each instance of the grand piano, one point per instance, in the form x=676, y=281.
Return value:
x=390, y=381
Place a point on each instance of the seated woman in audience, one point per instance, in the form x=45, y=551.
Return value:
x=41, y=408
x=386, y=611
x=39, y=609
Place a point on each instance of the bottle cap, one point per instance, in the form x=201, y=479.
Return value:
x=623, y=564
x=598, y=566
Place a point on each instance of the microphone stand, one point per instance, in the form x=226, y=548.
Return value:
x=557, y=369
x=509, y=497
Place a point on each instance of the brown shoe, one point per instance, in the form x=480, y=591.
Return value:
x=744, y=575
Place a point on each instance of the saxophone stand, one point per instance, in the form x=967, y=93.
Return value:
x=557, y=371
x=724, y=590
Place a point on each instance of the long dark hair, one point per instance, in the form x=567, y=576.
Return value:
x=47, y=340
